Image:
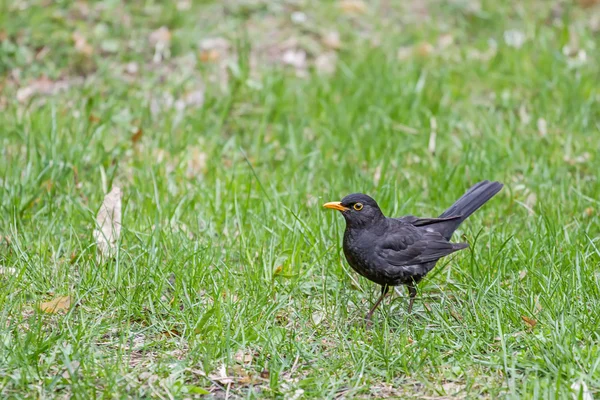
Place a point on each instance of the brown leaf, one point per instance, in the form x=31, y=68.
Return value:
x=529, y=321
x=81, y=44
x=353, y=6
x=265, y=374
x=332, y=40
x=220, y=375
x=56, y=305
x=137, y=135
x=109, y=223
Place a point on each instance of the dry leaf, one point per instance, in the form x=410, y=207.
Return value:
x=243, y=357
x=542, y=126
x=8, y=271
x=332, y=40
x=588, y=3
x=325, y=63
x=514, y=38
x=56, y=305
x=220, y=375
x=529, y=321
x=522, y=274
x=580, y=387
x=432, y=136
x=42, y=86
x=137, y=135
x=109, y=223
x=294, y=57
x=213, y=49
x=537, y=306
x=353, y=6
x=81, y=44
x=161, y=40
x=74, y=367
x=196, y=166
x=589, y=211
x=377, y=175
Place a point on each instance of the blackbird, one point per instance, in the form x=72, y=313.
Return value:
x=401, y=251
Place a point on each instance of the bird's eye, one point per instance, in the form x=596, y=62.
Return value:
x=358, y=206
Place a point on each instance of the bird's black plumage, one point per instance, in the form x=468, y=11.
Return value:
x=401, y=251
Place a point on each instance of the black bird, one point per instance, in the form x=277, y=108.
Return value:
x=401, y=251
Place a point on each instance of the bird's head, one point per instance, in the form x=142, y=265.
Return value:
x=358, y=209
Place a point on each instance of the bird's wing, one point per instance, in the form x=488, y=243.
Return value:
x=416, y=221
x=408, y=245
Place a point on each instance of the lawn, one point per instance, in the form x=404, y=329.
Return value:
x=226, y=126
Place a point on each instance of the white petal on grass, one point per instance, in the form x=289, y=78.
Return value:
x=108, y=229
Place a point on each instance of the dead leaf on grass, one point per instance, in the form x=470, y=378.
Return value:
x=161, y=40
x=81, y=44
x=196, y=165
x=7, y=270
x=58, y=304
x=109, y=223
x=213, y=49
x=522, y=274
x=529, y=321
x=137, y=135
x=353, y=6
x=326, y=63
x=581, y=391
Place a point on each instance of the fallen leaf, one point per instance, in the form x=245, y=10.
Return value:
x=56, y=305
x=326, y=63
x=72, y=370
x=353, y=6
x=220, y=375
x=295, y=58
x=317, y=317
x=243, y=357
x=161, y=40
x=265, y=374
x=109, y=223
x=137, y=135
x=537, y=306
x=196, y=165
x=522, y=274
x=514, y=38
x=529, y=321
x=432, y=136
x=132, y=68
x=588, y=3
x=377, y=175
x=542, y=127
x=81, y=44
x=581, y=391
x=8, y=271
x=213, y=49
x=332, y=40
x=42, y=86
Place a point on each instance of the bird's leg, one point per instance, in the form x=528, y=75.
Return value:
x=412, y=291
x=384, y=291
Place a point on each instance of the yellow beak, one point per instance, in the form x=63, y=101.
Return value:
x=335, y=205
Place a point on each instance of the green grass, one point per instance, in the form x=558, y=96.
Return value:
x=236, y=258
